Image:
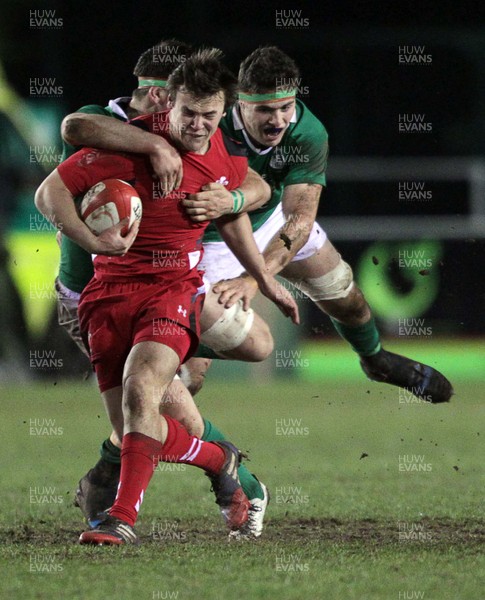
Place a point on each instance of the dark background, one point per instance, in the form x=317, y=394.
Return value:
x=348, y=56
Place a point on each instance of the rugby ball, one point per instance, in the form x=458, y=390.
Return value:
x=109, y=202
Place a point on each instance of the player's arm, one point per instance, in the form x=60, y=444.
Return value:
x=237, y=232
x=54, y=200
x=300, y=204
x=98, y=131
x=216, y=200
x=302, y=187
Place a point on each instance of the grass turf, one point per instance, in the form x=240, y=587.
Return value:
x=345, y=521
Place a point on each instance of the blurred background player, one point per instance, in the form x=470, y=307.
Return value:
x=119, y=305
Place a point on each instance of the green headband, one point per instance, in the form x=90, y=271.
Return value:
x=150, y=82
x=271, y=97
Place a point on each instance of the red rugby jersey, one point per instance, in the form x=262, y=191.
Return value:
x=168, y=243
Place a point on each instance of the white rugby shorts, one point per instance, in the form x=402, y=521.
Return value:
x=220, y=263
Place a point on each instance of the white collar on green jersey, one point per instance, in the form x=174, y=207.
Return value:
x=115, y=106
x=239, y=126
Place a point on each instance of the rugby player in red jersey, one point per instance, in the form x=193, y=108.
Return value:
x=95, y=126
x=141, y=317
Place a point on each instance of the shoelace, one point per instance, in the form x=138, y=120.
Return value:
x=251, y=517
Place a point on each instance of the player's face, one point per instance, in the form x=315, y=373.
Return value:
x=193, y=121
x=267, y=123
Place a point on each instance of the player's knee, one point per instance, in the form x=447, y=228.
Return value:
x=230, y=330
x=334, y=285
x=193, y=372
x=258, y=345
x=140, y=393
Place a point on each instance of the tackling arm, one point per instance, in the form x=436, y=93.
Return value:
x=300, y=204
x=216, y=200
x=237, y=233
x=97, y=131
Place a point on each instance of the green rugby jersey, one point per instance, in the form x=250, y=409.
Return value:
x=300, y=157
x=76, y=265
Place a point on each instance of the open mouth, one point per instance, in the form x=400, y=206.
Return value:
x=272, y=132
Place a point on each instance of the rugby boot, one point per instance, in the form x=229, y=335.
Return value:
x=233, y=502
x=96, y=491
x=424, y=382
x=253, y=527
x=110, y=532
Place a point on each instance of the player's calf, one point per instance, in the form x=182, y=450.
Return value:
x=336, y=294
x=351, y=310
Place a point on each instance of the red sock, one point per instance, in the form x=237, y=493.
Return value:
x=181, y=447
x=139, y=454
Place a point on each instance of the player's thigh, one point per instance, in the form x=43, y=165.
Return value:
x=239, y=334
x=322, y=262
x=211, y=310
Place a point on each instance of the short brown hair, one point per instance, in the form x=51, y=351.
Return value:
x=162, y=58
x=266, y=69
x=203, y=74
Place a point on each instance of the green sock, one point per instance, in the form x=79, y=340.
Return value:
x=206, y=352
x=251, y=486
x=110, y=453
x=364, y=339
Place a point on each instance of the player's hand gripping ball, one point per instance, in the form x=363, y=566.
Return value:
x=109, y=202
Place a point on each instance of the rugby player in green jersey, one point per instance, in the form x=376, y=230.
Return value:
x=278, y=131
x=95, y=125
